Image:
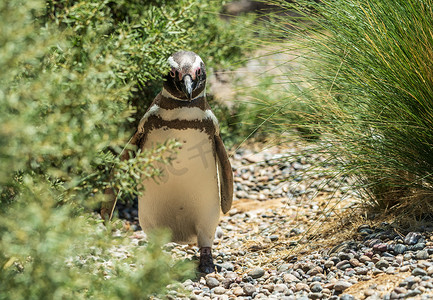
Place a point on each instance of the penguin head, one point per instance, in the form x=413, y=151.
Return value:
x=187, y=77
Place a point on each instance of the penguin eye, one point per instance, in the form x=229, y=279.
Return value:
x=172, y=74
x=198, y=72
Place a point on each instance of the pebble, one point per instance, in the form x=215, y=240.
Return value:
x=302, y=287
x=412, y=238
x=256, y=273
x=364, y=258
x=281, y=288
x=212, y=282
x=238, y=291
x=227, y=266
x=345, y=256
x=289, y=278
x=382, y=264
x=419, y=272
x=219, y=290
x=422, y=255
x=249, y=289
x=316, y=288
x=341, y=285
x=315, y=295
x=400, y=248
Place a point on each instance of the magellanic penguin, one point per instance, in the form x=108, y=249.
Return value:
x=188, y=197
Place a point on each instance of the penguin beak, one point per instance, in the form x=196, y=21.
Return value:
x=187, y=86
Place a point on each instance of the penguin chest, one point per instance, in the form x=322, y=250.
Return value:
x=186, y=196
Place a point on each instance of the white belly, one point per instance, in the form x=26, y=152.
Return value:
x=186, y=199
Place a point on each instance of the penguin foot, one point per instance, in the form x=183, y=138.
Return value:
x=206, y=261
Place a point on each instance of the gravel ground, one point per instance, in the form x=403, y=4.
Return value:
x=281, y=240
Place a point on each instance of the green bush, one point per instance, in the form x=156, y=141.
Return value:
x=47, y=252
x=372, y=93
x=71, y=74
x=142, y=34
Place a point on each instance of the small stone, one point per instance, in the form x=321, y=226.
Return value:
x=256, y=273
x=343, y=263
x=238, y=291
x=219, y=290
x=329, y=285
x=341, y=285
x=419, y=272
x=349, y=272
x=346, y=297
x=407, y=256
x=281, y=288
x=269, y=287
x=430, y=270
x=399, y=259
x=345, y=256
x=377, y=271
x=375, y=258
x=422, y=255
x=369, y=254
x=212, y=282
x=404, y=268
x=417, y=247
x=231, y=276
x=254, y=158
x=387, y=254
x=412, y=238
x=372, y=242
x=382, y=247
x=226, y=283
x=316, y=288
x=382, y=264
x=273, y=238
x=411, y=293
x=328, y=264
x=301, y=287
x=335, y=259
x=400, y=248
x=249, y=289
x=289, y=278
x=361, y=270
x=315, y=271
x=400, y=290
x=354, y=262
x=411, y=280
x=369, y=292
x=283, y=267
x=318, y=278
x=364, y=259
x=227, y=266
x=315, y=296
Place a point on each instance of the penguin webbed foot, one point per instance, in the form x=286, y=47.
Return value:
x=206, y=264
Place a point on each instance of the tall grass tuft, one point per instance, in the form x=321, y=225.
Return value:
x=371, y=93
